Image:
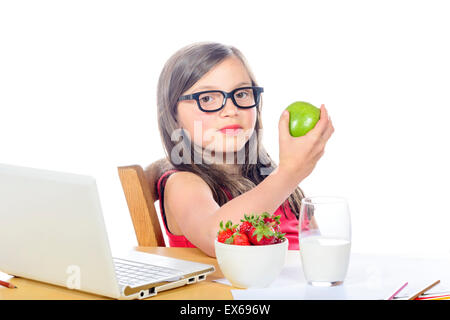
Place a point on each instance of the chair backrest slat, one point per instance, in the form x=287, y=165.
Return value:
x=140, y=191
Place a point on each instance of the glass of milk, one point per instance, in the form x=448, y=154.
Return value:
x=325, y=240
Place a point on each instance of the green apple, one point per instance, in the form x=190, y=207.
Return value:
x=303, y=116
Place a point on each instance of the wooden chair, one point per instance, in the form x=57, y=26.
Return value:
x=141, y=192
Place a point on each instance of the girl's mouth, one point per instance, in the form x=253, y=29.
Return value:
x=231, y=130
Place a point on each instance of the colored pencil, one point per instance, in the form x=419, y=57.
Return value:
x=441, y=297
x=413, y=297
x=7, y=284
x=397, y=291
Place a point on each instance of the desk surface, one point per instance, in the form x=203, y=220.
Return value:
x=205, y=290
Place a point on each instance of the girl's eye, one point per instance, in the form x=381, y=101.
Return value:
x=244, y=94
x=206, y=99
x=241, y=95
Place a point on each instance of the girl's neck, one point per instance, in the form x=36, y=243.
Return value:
x=224, y=164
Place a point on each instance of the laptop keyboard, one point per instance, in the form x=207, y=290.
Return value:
x=132, y=273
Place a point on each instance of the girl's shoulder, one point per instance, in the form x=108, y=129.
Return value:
x=184, y=176
x=185, y=182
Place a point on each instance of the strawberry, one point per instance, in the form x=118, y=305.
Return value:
x=279, y=237
x=261, y=229
x=247, y=224
x=272, y=220
x=225, y=232
x=239, y=239
x=262, y=234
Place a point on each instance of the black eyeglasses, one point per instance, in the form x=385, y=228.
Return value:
x=214, y=100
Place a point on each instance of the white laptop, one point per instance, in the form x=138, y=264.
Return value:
x=52, y=230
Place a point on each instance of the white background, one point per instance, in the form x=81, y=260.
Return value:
x=78, y=94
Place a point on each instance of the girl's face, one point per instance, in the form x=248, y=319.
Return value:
x=204, y=128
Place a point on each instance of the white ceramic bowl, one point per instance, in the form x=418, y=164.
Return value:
x=251, y=266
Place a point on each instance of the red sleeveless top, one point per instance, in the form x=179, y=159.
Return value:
x=289, y=223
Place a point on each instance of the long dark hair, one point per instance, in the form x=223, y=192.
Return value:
x=183, y=69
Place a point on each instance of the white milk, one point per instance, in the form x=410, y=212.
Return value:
x=324, y=259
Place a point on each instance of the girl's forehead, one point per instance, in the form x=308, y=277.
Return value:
x=226, y=75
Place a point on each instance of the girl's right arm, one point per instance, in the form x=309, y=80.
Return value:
x=191, y=203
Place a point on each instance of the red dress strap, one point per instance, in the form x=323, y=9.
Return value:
x=227, y=193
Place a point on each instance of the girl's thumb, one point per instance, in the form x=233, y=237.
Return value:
x=283, y=125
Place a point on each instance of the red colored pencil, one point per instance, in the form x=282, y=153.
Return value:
x=7, y=284
x=445, y=296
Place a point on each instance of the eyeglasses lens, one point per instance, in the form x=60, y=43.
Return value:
x=214, y=100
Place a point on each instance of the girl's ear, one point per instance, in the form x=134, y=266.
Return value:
x=174, y=112
x=175, y=115
x=178, y=123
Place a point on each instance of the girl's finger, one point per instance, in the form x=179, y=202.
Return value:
x=326, y=136
x=329, y=131
x=283, y=126
x=322, y=124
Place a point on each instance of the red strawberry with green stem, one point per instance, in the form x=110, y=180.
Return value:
x=225, y=232
x=247, y=224
x=272, y=220
x=239, y=239
x=279, y=237
x=262, y=234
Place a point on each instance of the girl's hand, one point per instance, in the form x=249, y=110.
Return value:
x=299, y=155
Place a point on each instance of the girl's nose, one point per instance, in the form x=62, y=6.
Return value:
x=229, y=109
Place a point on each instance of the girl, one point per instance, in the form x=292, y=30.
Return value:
x=209, y=117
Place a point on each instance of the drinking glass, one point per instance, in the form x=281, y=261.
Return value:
x=325, y=240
